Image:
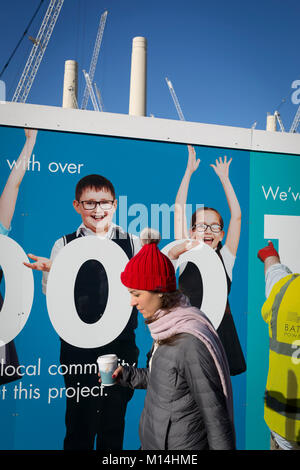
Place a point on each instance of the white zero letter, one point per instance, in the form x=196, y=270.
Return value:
x=213, y=278
x=19, y=288
x=60, y=293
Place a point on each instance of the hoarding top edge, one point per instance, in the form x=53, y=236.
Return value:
x=146, y=128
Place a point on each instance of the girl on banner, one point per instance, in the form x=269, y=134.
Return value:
x=207, y=226
x=188, y=405
x=8, y=199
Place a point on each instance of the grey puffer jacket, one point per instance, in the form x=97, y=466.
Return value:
x=185, y=408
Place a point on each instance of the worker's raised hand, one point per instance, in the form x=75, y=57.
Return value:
x=193, y=163
x=222, y=167
x=267, y=251
x=40, y=264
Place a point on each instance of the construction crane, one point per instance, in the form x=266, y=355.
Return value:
x=90, y=90
x=99, y=97
x=277, y=116
x=94, y=60
x=296, y=121
x=37, y=52
x=175, y=99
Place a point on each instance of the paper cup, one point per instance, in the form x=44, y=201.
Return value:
x=107, y=365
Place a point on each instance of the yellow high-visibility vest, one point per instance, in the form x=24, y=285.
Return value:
x=281, y=311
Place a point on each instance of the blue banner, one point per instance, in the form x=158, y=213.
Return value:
x=40, y=315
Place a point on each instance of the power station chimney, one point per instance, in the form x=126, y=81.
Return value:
x=138, y=77
x=271, y=122
x=70, y=84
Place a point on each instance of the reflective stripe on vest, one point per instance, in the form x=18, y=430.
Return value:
x=282, y=408
x=275, y=345
x=288, y=409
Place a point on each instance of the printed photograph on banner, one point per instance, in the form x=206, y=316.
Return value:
x=274, y=309
x=72, y=208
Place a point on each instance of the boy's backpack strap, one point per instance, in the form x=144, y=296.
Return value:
x=124, y=240
x=70, y=237
x=131, y=242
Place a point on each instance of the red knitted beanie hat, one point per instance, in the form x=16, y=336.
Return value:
x=150, y=269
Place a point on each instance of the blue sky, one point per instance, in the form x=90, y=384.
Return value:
x=230, y=62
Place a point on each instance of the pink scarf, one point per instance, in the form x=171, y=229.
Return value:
x=187, y=319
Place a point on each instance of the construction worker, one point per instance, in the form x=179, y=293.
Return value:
x=281, y=311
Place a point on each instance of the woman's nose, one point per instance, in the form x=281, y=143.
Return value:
x=133, y=301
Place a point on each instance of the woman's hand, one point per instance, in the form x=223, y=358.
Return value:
x=41, y=264
x=117, y=374
x=222, y=168
x=193, y=163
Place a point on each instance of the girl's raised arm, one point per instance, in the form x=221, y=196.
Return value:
x=233, y=234
x=181, y=227
x=10, y=192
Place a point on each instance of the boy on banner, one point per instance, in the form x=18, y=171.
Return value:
x=93, y=417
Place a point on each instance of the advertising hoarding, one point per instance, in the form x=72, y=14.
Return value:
x=146, y=170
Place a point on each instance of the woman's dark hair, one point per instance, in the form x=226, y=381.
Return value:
x=96, y=182
x=169, y=301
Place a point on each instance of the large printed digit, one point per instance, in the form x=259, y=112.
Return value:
x=285, y=228
x=60, y=293
x=19, y=289
x=213, y=278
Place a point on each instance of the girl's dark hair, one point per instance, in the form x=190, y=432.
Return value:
x=204, y=208
x=96, y=182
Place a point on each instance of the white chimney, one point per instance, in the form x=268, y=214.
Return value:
x=271, y=122
x=70, y=84
x=138, y=77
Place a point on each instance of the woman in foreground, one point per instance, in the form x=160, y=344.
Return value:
x=188, y=405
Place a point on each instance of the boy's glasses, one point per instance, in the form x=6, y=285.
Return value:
x=215, y=228
x=91, y=205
